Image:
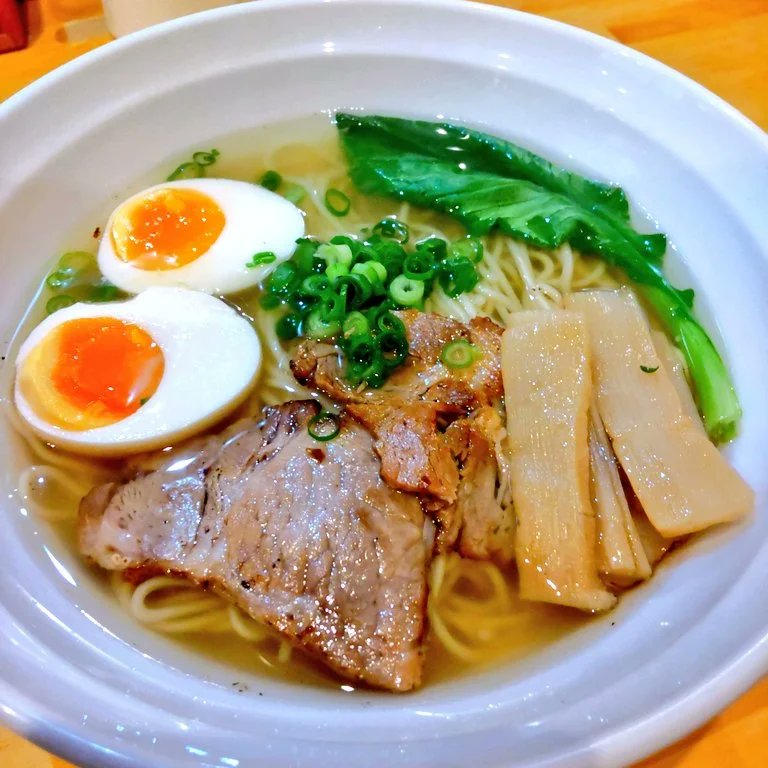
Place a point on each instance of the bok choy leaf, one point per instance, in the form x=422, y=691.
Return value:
x=491, y=184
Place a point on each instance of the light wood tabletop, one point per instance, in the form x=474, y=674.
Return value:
x=720, y=43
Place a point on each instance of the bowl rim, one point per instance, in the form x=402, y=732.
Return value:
x=660, y=727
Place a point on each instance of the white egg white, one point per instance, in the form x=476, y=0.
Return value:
x=257, y=220
x=212, y=357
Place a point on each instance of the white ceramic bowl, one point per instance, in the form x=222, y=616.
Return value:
x=81, y=679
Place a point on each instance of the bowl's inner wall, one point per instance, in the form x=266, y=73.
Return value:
x=581, y=114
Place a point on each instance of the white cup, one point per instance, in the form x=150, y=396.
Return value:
x=124, y=16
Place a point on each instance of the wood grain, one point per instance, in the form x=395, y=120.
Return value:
x=722, y=44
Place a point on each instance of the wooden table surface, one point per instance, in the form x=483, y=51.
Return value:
x=721, y=43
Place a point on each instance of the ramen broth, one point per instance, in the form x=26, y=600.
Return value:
x=306, y=152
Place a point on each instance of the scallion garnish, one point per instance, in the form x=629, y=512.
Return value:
x=260, y=259
x=345, y=290
x=458, y=354
x=324, y=426
x=188, y=170
x=288, y=326
x=470, y=248
x=337, y=202
x=294, y=193
x=648, y=369
x=195, y=168
x=205, y=158
x=406, y=292
x=104, y=292
x=355, y=324
x=393, y=229
x=58, y=302
x=271, y=180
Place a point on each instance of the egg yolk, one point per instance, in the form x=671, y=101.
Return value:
x=166, y=229
x=91, y=372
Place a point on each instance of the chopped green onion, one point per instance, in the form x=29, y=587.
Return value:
x=324, y=426
x=104, y=292
x=372, y=271
x=270, y=301
x=316, y=285
x=259, y=259
x=75, y=262
x=304, y=255
x=458, y=275
x=470, y=248
x=205, y=158
x=336, y=253
x=294, y=193
x=60, y=279
x=352, y=243
x=355, y=324
x=458, y=354
x=360, y=287
x=302, y=302
x=317, y=327
x=188, y=170
x=332, y=307
x=419, y=266
x=389, y=323
x=364, y=361
x=406, y=292
x=393, y=229
x=288, y=326
x=648, y=369
x=271, y=180
x=335, y=271
x=434, y=245
x=337, y=202
x=394, y=348
x=282, y=279
x=58, y=302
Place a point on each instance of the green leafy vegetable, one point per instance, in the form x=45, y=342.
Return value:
x=488, y=184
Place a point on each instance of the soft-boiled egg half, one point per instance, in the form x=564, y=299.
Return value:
x=198, y=233
x=112, y=379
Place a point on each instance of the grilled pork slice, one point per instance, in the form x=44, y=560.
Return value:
x=301, y=534
x=484, y=527
x=547, y=387
x=422, y=376
x=408, y=414
x=621, y=557
x=681, y=480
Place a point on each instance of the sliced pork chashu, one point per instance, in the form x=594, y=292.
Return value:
x=547, y=388
x=300, y=534
x=408, y=417
x=680, y=478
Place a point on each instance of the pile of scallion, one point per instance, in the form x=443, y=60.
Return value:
x=77, y=278
x=346, y=290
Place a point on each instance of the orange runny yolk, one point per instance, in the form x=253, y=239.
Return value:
x=91, y=372
x=166, y=229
